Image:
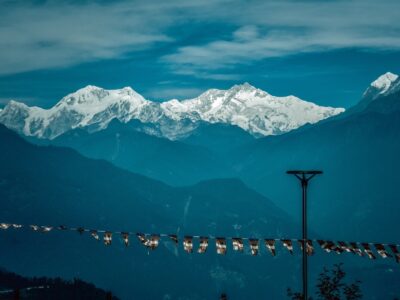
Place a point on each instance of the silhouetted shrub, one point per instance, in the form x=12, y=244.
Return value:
x=331, y=286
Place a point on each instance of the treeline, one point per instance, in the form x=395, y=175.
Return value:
x=13, y=286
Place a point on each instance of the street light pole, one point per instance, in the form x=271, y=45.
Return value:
x=304, y=177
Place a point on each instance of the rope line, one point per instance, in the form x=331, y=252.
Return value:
x=151, y=241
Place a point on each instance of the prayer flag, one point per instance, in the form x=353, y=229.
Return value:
x=188, y=244
x=203, y=245
x=221, y=245
x=254, y=246
x=270, y=244
x=107, y=238
x=288, y=245
x=237, y=244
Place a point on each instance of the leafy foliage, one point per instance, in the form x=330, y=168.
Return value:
x=331, y=286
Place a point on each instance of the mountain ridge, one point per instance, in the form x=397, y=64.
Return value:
x=245, y=106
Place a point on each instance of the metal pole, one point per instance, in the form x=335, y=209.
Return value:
x=305, y=238
x=304, y=177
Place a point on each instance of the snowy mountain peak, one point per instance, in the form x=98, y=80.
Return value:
x=384, y=82
x=247, y=91
x=16, y=104
x=243, y=87
x=87, y=94
x=252, y=109
x=93, y=107
x=87, y=89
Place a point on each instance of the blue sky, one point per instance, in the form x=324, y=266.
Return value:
x=323, y=51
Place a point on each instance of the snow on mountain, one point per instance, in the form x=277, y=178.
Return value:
x=250, y=108
x=90, y=106
x=384, y=82
x=382, y=85
x=93, y=108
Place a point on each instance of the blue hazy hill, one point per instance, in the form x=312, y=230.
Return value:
x=50, y=185
x=357, y=197
x=173, y=162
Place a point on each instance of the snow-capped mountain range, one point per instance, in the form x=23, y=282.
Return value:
x=245, y=106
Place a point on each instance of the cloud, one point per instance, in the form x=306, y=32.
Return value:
x=55, y=34
x=60, y=34
x=275, y=29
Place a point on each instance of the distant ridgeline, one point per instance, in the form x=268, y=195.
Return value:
x=43, y=288
x=93, y=108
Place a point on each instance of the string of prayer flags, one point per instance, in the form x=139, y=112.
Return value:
x=368, y=250
x=188, y=244
x=125, y=238
x=94, y=234
x=253, y=246
x=288, y=245
x=220, y=243
x=270, y=244
x=107, y=238
x=382, y=251
x=395, y=252
x=151, y=241
x=237, y=244
x=203, y=245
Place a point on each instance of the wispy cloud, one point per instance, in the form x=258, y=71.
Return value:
x=56, y=34
x=275, y=29
x=59, y=34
